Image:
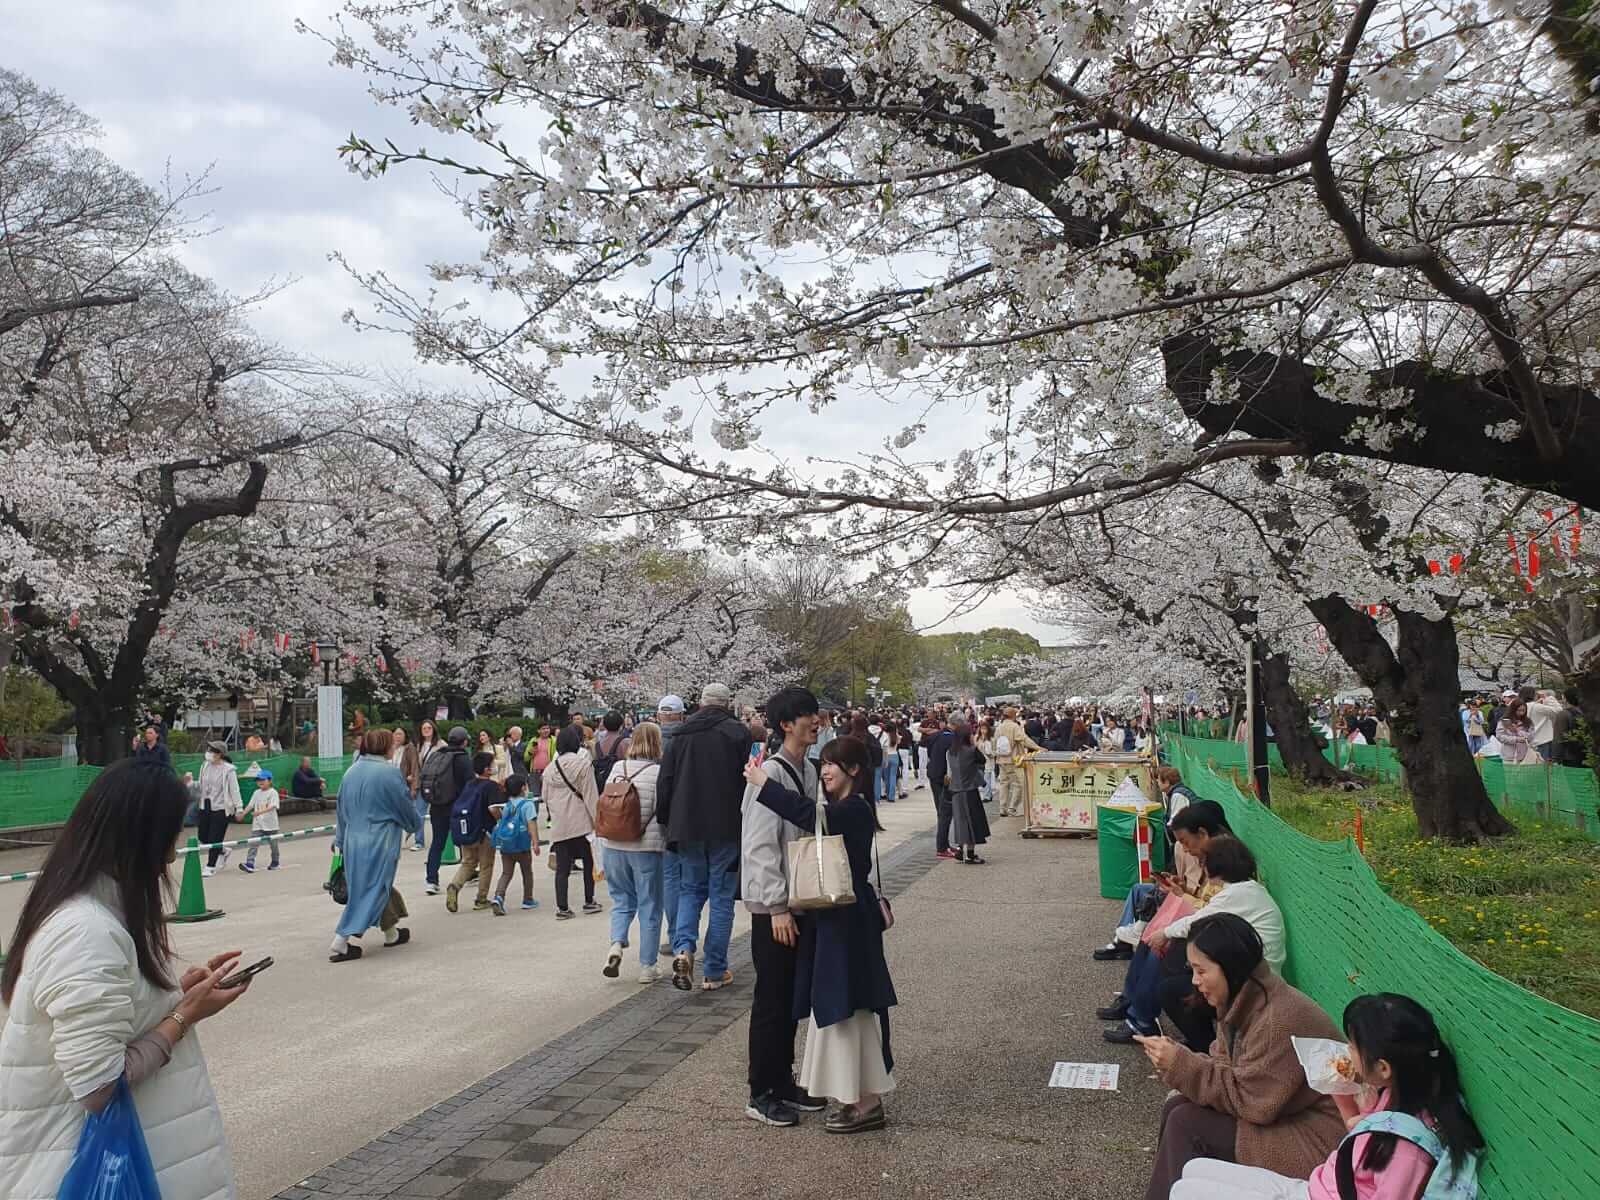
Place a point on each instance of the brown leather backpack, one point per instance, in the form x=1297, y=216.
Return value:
x=617, y=816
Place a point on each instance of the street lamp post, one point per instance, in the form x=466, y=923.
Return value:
x=330, y=703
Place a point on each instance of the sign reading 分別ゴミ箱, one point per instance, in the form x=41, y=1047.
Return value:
x=1064, y=790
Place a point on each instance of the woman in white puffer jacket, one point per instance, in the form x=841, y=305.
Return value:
x=90, y=998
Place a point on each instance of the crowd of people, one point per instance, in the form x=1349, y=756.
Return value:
x=690, y=812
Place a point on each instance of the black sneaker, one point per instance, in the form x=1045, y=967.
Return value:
x=565, y=914
x=771, y=1110
x=1112, y=1012
x=1113, y=952
x=804, y=1101
x=593, y=906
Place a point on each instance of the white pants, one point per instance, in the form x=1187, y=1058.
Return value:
x=1210, y=1179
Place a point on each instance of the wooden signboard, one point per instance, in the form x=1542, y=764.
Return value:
x=1065, y=790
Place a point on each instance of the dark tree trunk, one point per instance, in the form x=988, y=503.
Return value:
x=1299, y=745
x=1444, y=415
x=1419, y=683
x=105, y=733
x=1586, y=679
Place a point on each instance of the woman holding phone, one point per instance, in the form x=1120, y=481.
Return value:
x=93, y=998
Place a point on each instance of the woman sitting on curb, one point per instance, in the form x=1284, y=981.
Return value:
x=1230, y=863
x=1410, y=1134
x=1247, y=1101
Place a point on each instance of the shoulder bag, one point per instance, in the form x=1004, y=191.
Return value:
x=819, y=869
x=884, y=910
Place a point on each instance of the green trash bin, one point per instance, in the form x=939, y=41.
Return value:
x=1119, y=855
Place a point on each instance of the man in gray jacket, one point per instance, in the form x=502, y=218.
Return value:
x=774, y=934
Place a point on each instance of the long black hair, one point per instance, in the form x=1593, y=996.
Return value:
x=124, y=828
x=850, y=753
x=1401, y=1032
x=1231, y=942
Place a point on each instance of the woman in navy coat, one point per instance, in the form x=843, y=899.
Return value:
x=842, y=982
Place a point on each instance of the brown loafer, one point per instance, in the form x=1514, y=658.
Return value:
x=852, y=1119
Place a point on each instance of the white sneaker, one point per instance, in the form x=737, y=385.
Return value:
x=432, y=889
x=1130, y=933
x=649, y=974
x=613, y=966
x=208, y=872
x=226, y=855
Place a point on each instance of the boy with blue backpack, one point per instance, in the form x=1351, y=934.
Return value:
x=471, y=828
x=516, y=836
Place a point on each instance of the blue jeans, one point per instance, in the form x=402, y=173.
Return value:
x=889, y=777
x=633, y=877
x=707, y=874
x=1141, y=990
x=1476, y=743
x=671, y=889
x=422, y=816
x=1139, y=889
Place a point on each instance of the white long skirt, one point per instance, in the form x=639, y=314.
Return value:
x=845, y=1061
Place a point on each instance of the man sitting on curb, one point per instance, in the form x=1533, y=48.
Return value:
x=774, y=930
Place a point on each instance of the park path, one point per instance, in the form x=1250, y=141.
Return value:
x=320, y=1059
x=646, y=1098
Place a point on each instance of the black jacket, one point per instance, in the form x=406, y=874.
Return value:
x=701, y=785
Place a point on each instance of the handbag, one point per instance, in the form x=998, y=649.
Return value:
x=112, y=1161
x=884, y=909
x=819, y=869
x=337, y=886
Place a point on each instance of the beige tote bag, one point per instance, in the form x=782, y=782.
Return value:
x=819, y=869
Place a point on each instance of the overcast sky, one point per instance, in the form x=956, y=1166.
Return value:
x=192, y=87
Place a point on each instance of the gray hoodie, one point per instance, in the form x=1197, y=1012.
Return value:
x=764, y=839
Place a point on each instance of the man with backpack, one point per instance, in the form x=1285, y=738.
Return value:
x=1011, y=742
x=445, y=775
x=774, y=933
x=610, y=748
x=697, y=802
x=472, y=828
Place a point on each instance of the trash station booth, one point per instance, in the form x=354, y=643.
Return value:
x=1112, y=796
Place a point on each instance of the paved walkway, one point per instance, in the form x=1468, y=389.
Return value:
x=646, y=1099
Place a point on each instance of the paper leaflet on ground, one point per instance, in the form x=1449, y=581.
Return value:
x=1097, y=1077
x=1128, y=795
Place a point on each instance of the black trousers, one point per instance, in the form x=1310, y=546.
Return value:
x=941, y=805
x=439, y=826
x=772, y=1023
x=569, y=851
x=211, y=826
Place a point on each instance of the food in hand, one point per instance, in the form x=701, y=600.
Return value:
x=1344, y=1068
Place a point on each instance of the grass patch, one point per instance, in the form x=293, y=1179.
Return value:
x=1527, y=906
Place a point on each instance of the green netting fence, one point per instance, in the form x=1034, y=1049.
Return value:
x=1530, y=1068
x=47, y=796
x=1564, y=796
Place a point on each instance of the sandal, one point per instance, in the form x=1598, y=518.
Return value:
x=350, y=954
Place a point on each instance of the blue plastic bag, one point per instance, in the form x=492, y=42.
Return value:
x=112, y=1161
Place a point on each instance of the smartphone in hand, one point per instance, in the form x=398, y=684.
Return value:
x=241, y=977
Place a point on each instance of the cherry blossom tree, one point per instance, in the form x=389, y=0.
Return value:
x=1320, y=232
x=140, y=421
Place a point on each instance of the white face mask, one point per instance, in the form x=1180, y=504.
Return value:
x=211, y=756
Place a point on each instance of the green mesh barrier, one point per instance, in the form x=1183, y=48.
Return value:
x=1564, y=796
x=47, y=797
x=1529, y=1067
